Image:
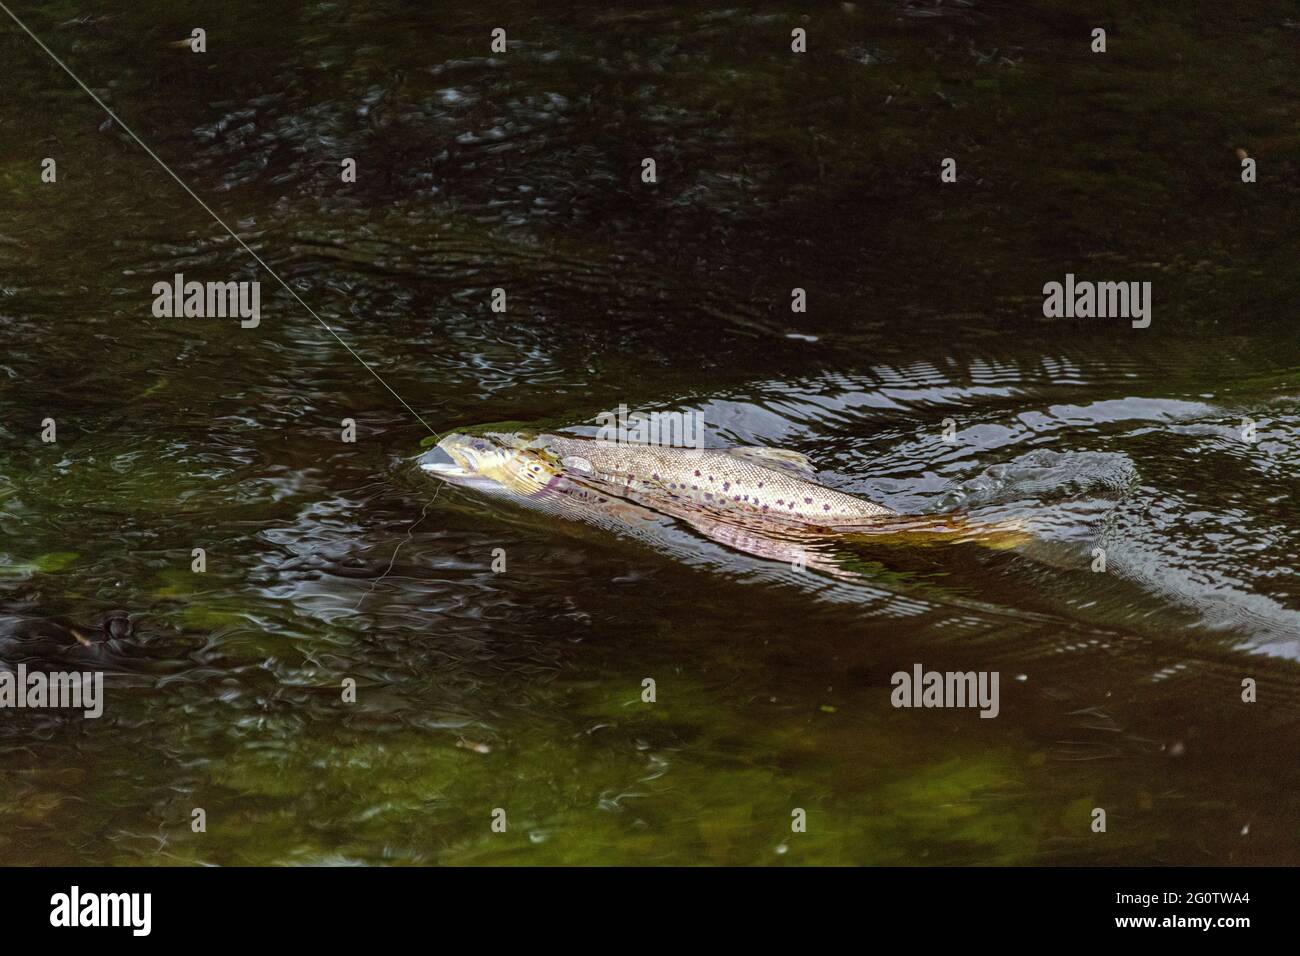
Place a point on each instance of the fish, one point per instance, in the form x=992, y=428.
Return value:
x=766, y=502
x=749, y=481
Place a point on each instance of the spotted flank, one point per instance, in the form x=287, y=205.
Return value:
x=761, y=483
x=755, y=499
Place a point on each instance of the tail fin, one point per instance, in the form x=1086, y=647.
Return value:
x=920, y=531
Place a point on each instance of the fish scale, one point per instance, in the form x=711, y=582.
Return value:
x=712, y=478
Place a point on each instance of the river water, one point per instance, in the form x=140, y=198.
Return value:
x=1171, y=448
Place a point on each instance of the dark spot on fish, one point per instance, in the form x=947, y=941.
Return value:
x=807, y=501
x=760, y=484
x=764, y=507
x=826, y=507
x=697, y=473
x=726, y=486
x=780, y=501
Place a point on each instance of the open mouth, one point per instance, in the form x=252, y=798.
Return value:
x=438, y=462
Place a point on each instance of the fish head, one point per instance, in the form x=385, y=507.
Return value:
x=491, y=462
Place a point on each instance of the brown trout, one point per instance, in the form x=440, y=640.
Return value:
x=763, y=501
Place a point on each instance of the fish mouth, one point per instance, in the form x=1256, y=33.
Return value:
x=438, y=461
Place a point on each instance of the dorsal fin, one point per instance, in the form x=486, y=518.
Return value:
x=781, y=459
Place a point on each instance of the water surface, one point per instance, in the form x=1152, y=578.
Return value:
x=522, y=689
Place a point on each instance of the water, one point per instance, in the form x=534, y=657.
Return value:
x=522, y=690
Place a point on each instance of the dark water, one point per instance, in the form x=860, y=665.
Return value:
x=521, y=690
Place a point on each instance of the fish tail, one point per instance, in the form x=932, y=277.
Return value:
x=912, y=531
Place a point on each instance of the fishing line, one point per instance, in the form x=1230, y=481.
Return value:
x=410, y=533
x=193, y=195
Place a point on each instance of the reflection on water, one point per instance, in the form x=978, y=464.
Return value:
x=521, y=689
